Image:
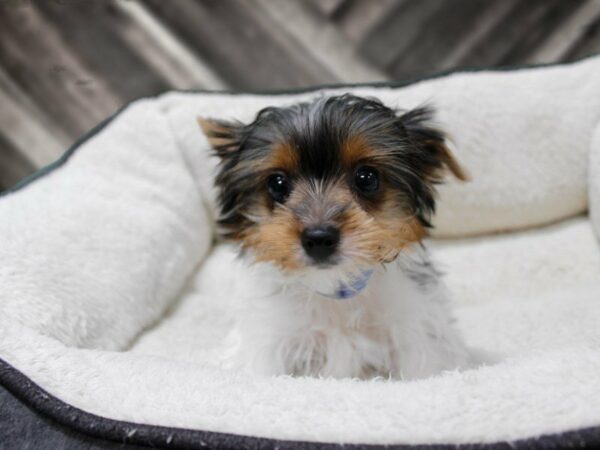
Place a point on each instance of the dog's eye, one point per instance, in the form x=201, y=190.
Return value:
x=366, y=179
x=278, y=187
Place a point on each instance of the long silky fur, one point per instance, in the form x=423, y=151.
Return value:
x=411, y=150
x=289, y=317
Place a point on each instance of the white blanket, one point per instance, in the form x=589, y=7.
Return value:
x=104, y=260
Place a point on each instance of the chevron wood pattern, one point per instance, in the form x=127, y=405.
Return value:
x=67, y=64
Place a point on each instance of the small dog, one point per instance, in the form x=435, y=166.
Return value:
x=329, y=201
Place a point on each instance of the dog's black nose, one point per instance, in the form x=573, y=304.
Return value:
x=320, y=242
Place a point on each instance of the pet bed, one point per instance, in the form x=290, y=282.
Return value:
x=105, y=263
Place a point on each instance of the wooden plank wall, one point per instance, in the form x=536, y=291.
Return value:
x=67, y=64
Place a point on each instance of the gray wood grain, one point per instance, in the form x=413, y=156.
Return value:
x=447, y=26
x=358, y=18
x=26, y=128
x=570, y=37
x=65, y=65
x=501, y=45
x=322, y=39
x=14, y=164
x=393, y=34
x=327, y=7
x=163, y=52
x=90, y=29
x=41, y=63
x=588, y=43
x=248, y=49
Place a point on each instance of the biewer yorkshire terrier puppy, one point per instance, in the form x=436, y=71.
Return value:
x=328, y=202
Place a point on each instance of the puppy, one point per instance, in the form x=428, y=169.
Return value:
x=328, y=202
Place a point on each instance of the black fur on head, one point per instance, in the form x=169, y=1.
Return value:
x=409, y=152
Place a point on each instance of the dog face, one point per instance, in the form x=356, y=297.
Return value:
x=337, y=181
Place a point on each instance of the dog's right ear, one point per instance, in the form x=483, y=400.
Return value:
x=224, y=137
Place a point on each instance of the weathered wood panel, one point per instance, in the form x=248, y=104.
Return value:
x=41, y=63
x=15, y=165
x=67, y=64
x=588, y=43
x=318, y=36
x=247, y=48
x=504, y=41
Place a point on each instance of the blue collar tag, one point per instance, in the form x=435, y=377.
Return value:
x=356, y=285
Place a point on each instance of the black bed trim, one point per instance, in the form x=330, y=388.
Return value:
x=155, y=436
x=106, y=429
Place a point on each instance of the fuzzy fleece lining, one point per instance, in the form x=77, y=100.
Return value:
x=101, y=299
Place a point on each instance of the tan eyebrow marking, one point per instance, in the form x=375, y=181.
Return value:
x=284, y=156
x=355, y=149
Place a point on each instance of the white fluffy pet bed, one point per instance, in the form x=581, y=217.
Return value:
x=105, y=271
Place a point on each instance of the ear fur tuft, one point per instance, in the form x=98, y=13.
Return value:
x=417, y=123
x=450, y=162
x=224, y=137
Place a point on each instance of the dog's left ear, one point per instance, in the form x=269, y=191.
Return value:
x=436, y=157
x=224, y=137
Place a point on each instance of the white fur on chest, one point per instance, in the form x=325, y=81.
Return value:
x=398, y=326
